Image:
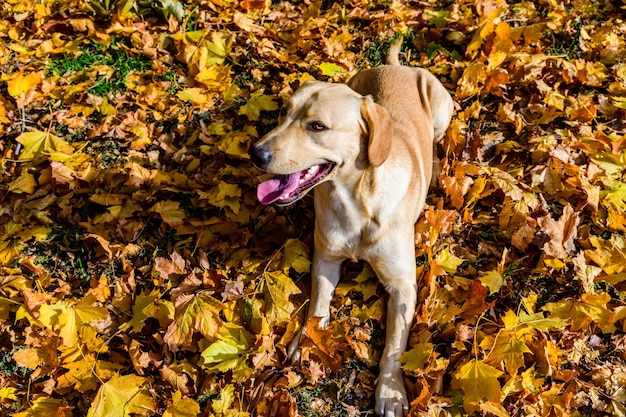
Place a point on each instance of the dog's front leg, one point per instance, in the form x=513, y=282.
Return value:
x=325, y=274
x=399, y=280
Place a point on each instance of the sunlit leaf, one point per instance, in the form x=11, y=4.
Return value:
x=592, y=308
x=449, y=261
x=279, y=289
x=8, y=393
x=86, y=373
x=229, y=352
x=492, y=280
x=196, y=96
x=609, y=254
x=330, y=69
x=37, y=143
x=182, y=407
x=24, y=82
x=47, y=407
x=225, y=400
x=145, y=306
x=257, y=103
x=296, y=256
x=478, y=381
x=195, y=313
x=225, y=195
x=70, y=319
x=508, y=348
x=416, y=358
x=25, y=183
x=122, y=396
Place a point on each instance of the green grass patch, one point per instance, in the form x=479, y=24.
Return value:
x=566, y=43
x=93, y=58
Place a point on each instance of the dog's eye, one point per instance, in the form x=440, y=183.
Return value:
x=316, y=126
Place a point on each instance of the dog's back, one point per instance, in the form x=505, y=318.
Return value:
x=399, y=89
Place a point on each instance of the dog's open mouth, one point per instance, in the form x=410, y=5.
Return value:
x=286, y=189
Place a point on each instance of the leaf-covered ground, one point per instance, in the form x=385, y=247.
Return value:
x=140, y=276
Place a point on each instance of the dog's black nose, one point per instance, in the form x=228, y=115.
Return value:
x=260, y=156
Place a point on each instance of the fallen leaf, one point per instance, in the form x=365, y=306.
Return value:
x=22, y=83
x=257, y=103
x=37, y=143
x=194, y=313
x=122, y=396
x=182, y=407
x=478, y=381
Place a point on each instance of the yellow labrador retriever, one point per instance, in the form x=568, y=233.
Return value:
x=367, y=148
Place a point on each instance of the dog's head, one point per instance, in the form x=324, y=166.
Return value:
x=328, y=131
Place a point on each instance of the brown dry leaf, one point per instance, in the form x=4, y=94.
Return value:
x=561, y=233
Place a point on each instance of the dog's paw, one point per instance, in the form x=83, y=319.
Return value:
x=294, y=353
x=391, y=399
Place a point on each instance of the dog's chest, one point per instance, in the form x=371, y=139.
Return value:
x=346, y=230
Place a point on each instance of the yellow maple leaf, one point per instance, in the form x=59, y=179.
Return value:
x=330, y=69
x=215, y=77
x=229, y=352
x=69, y=318
x=448, y=261
x=8, y=393
x=374, y=311
x=182, y=407
x=610, y=255
x=492, y=280
x=25, y=183
x=278, y=289
x=225, y=195
x=296, y=256
x=122, y=396
x=170, y=212
x=235, y=144
x=86, y=373
x=30, y=357
x=506, y=347
x=22, y=83
x=534, y=321
x=416, y=358
x=145, y=306
x=487, y=26
x=47, y=407
x=580, y=314
x=106, y=109
x=257, y=103
x=472, y=79
x=194, y=313
x=195, y=95
x=218, y=47
x=225, y=400
x=478, y=381
x=37, y=143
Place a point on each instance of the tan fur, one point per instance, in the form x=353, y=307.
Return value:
x=381, y=131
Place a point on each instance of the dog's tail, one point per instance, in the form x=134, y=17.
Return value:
x=393, y=58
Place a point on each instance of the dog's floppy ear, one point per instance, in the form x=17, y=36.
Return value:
x=380, y=129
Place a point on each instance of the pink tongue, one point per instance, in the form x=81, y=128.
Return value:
x=271, y=190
